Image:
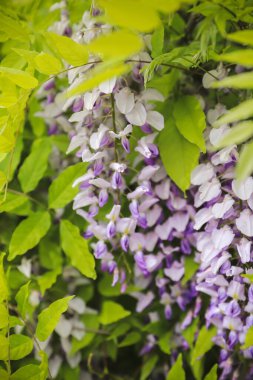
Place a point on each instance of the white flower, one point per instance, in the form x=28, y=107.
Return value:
x=90, y=98
x=220, y=209
x=155, y=119
x=217, y=134
x=107, y=86
x=128, y=129
x=138, y=115
x=124, y=100
x=202, y=217
x=207, y=192
x=243, y=189
x=97, y=137
x=222, y=238
x=245, y=223
x=201, y=174
x=243, y=249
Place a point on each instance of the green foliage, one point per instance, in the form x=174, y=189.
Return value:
x=249, y=338
x=49, y=318
x=212, y=375
x=148, y=367
x=177, y=370
x=76, y=248
x=179, y=156
x=22, y=299
x=28, y=233
x=204, y=343
x=61, y=191
x=35, y=165
x=190, y=120
x=112, y=312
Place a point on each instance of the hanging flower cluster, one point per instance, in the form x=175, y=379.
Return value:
x=139, y=224
x=224, y=220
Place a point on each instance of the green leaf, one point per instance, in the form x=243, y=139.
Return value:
x=102, y=72
x=177, y=370
x=190, y=268
x=47, y=280
x=4, y=292
x=3, y=180
x=179, y=156
x=20, y=346
x=165, y=83
x=241, y=81
x=190, y=331
x=37, y=123
x=245, y=164
x=13, y=28
x=16, y=156
x=249, y=276
x=248, y=339
x=190, y=120
x=212, y=375
x=28, y=233
x=237, y=134
x=19, y=77
x=204, y=343
x=148, y=367
x=4, y=347
x=50, y=254
x=49, y=318
x=35, y=165
x=164, y=343
x=72, y=52
x=130, y=15
x=47, y=64
x=244, y=37
x=4, y=375
x=243, y=111
x=76, y=248
x=242, y=57
x=132, y=338
x=112, y=312
x=22, y=299
x=4, y=316
x=120, y=44
x=13, y=201
x=7, y=142
x=28, y=372
x=61, y=191
x=43, y=366
x=157, y=41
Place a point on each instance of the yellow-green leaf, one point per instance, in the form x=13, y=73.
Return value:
x=47, y=280
x=242, y=57
x=3, y=180
x=212, y=374
x=61, y=191
x=76, y=248
x=190, y=120
x=241, y=81
x=131, y=14
x=204, y=343
x=245, y=164
x=47, y=64
x=241, y=112
x=3, y=283
x=4, y=347
x=35, y=165
x=177, y=370
x=178, y=155
x=12, y=202
x=119, y=44
x=20, y=346
x=103, y=71
x=248, y=339
x=28, y=372
x=49, y=318
x=7, y=142
x=28, y=233
x=72, y=52
x=237, y=134
x=242, y=36
x=112, y=312
x=19, y=77
x=21, y=298
x=4, y=316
